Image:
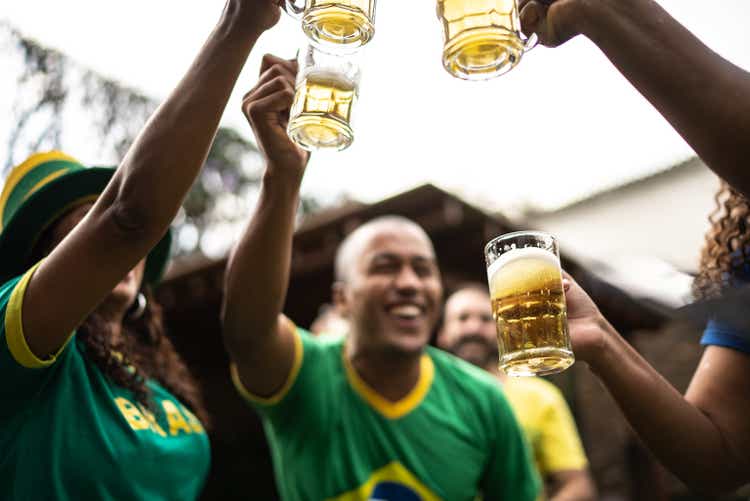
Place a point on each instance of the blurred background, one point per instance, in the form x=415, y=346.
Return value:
x=563, y=143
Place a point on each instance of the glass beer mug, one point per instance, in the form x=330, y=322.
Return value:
x=335, y=24
x=327, y=90
x=483, y=38
x=528, y=304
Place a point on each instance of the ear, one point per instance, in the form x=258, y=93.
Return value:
x=340, y=301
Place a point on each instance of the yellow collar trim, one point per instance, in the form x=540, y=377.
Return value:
x=393, y=410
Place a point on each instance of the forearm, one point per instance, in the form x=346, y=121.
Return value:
x=257, y=274
x=680, y=435
x=165, y=159
x=705, y=97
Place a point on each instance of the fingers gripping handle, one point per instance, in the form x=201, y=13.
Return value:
x=530, y=42
x=291, y=8
x=533, y=39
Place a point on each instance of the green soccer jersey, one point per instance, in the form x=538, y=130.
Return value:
x=68, y=433
x=332, y=437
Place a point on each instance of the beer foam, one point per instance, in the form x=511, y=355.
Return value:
x=524, y=253
x=328, y=78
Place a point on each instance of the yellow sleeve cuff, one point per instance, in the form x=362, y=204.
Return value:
x=279, y=396
x=14, y=335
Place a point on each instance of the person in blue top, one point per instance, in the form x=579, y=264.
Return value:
x=703, y=437
x=95, y=404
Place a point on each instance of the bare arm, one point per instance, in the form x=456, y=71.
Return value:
x=141, y=200
x=260, y=341
x=572, y=485
x=703, y=438
x=705, y=97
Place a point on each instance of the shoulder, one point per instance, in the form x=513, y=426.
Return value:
x=533, y=386
x=322, y=345
x=318, y=354
x=533, y=393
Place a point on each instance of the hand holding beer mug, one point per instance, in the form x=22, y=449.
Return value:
x=528, y=303
x=327, y=88
x=336, y=24
x=483, y=38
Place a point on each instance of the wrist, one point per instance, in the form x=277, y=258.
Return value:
x=278, y=179
x=238, y=19
x=603, y=354
x=583, y=16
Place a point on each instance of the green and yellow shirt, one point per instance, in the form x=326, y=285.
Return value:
x=68, y=433
x=332, y=437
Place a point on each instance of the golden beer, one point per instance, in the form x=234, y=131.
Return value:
x=528, y=304
x=346, y=23
x=482, y=37
x=321, y=113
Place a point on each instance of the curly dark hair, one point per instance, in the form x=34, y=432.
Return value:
x=725, y=259
x=142, y=352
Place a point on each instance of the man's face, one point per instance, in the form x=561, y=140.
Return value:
x=392, y=293
x=469, y=325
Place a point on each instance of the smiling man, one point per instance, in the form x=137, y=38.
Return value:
x=379, y=415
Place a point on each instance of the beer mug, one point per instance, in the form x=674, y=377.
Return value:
x=528, y=304
x=340, y=24
x=327, y=88
x=483, y=38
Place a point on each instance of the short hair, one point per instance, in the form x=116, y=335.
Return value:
x=468, y=286
x=354, y=242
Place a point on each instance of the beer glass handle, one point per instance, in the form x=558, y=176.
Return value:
x=291, y=8
x=530, y=42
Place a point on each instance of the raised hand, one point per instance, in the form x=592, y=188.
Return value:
x=587, y=326
x=554, y=21
x=267, y=107
x=258, y=15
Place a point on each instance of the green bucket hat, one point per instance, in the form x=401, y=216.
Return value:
x=39, y=191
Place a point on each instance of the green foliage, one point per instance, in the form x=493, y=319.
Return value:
x=52, y=91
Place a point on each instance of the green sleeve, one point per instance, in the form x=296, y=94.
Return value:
x=510, y=474
x=22, y=374
x=305, y=395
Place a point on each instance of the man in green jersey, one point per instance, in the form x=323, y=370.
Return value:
x=381, y=415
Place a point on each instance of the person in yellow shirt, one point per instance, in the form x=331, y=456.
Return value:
x=468, y=331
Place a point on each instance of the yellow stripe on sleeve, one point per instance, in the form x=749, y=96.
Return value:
x=14, y=335
x=279, y=396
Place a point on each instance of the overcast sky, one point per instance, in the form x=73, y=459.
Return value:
x=560, y=126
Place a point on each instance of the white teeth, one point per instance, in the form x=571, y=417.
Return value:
x=406, y=310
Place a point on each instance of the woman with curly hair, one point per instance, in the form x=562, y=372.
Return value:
x=94, y=401
x=704, y=436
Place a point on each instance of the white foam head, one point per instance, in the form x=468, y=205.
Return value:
x=326, y=77
x=523, y=253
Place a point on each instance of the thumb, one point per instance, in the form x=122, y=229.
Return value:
x=532, y=15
